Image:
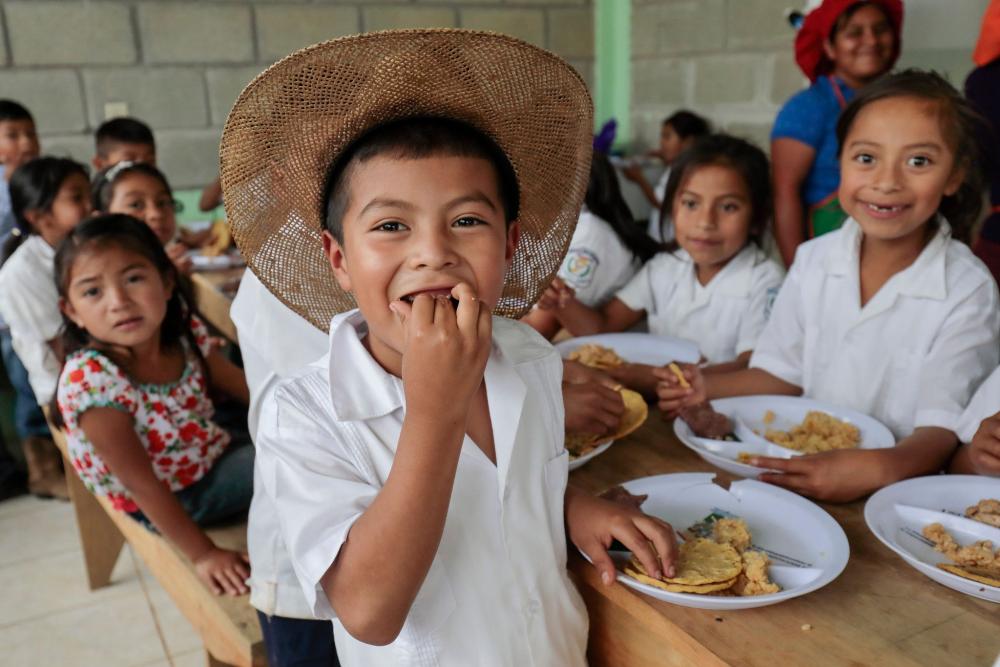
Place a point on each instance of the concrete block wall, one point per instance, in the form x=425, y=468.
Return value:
x=732, y=60
x=179, y=64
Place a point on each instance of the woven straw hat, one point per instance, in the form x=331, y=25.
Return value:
x=295, y=118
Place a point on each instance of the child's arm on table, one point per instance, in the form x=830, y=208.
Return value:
x=707, y=386
x=982, y=455
x=227, y=377
x=591, y=400
x=113, y=435
x=848, y=474
x=582, y=320
x=594, y=523
x=371, y=585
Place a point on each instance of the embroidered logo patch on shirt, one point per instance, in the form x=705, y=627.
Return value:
x=580, y=267
x=772, y=294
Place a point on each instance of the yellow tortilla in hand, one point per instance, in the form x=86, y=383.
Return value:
x=636, y=412
x=221, y=240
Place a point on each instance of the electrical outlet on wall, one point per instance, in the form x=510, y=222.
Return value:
x=115, y=110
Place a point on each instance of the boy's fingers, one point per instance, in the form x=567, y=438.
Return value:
x=467, y=313
x=661, y=534
x=444, y=313
x=422, y=310
x=222, y=583
x=238, y=587
x=602, y=561
x=640, y=546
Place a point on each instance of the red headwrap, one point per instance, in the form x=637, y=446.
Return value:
x=815, y=31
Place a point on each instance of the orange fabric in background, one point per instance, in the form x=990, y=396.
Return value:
x=988, y=47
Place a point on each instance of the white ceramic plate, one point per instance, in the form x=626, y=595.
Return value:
x=898, y=513
x=808, y=549
x=638, y=348
x=596, y=451
x=747, y=413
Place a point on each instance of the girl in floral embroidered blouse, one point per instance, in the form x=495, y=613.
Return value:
x=133, y=393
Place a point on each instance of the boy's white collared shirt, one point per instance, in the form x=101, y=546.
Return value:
x=911, y=357
x=29, y=303
x=724, y=317
x=498, y=592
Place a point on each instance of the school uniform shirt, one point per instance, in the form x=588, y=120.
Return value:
x=665, y=235
x=29, y=304
x=497, y=592
x=274, y=342
x=984, y=403
x=597, y=264
x=911, y=357
x=724, y=317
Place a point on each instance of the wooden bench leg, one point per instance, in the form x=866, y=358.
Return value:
x=211, y=661
x=99, y=536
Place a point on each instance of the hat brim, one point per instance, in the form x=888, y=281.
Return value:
x=298, y=116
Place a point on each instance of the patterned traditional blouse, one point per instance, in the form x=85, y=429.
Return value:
x=173, y=421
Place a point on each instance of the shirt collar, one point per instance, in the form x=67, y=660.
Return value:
x=735, y=277
x=924, y=278
x=360, y=389
x=41, y=247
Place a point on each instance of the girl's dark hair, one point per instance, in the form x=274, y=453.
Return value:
x=415, y=138
x=103, y=188
x=960, y=125
x=132, y=235
x=738, y=154
x=604, y=199
x=688, y=124
x=34, y=186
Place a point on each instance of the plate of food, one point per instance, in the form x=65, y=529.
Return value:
x=727, y=432
x=584, y=447
x=605, y=351
x=750, y=546
x=945, y=526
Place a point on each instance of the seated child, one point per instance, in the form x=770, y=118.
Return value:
x=891, y=314
x=713, y=285
x=18, y=145
x=432, y=427
x=134, y=394
x=605, y=252
x=141, y=190
x=979, y=431
x=123, y=140
x=679, y=132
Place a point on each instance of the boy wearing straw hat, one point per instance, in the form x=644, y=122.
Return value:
x=414, y=193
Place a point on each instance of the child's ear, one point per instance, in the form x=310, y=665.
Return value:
x=334, y=252
x=98, y=162
x=828, y=50
x=69, y=311
x=35, y=218
x=955, y=180
x=513, y=238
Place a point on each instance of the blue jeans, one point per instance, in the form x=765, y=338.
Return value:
x=223, y=493
x=298, y=642
x=28, y=418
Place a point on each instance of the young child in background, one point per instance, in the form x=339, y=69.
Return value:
x=713, y=285
x=134, y=394
x=141, y=190
x=891, y=314
x=123, y=140
x=678, y=133
x=435, y=424
x=606, y=250
x=18, y=144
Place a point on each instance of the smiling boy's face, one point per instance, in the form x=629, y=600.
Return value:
x=419, y=225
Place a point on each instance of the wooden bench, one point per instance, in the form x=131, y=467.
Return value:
x=228, y=626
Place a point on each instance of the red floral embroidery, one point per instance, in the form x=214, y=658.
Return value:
x=76, y=376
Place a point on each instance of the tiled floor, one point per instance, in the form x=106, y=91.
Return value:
x=49, y=617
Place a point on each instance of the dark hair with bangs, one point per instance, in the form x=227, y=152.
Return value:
x=11, y=110
x=960, y=125
x=739, y=155
x=604, y=199
x=122, y=130
x=102, y=190
x=132, y=235
x=34, y=186
x=411, y=139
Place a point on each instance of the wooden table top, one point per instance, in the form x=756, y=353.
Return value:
x=213, y=293
x=879, y=611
